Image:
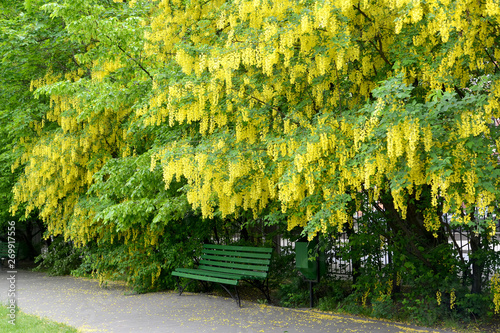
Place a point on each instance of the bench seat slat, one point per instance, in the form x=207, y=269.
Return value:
x=235, y=259
x=205, y=278
x=247, y=274
x=231, y=265
x=201, y=271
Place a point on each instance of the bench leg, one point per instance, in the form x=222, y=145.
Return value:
x=181, y=288
x=267, y=292
x=263, y=287
x=178, y=285
x=236, y=295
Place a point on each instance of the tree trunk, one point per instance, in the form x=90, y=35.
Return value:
x=477, y=263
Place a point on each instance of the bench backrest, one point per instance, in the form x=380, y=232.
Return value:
x=249, y=261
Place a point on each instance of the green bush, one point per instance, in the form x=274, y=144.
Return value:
x=331, y=291
x=294, y=294
x=421, y=311
x=60, y=259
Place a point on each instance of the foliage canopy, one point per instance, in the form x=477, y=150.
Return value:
x=169, y=113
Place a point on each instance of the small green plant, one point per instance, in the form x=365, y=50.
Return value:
x=331, y=291
x=294, y=294
x=421, y=311
x=383, y=307
x=328, y=303
x=352, y=305
x=262, y=301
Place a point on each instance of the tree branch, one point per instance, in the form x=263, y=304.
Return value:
x=380, y=51
x=134, y=60
x=452, y=236
x=379, y=48
x=492, y=60
x=277, y=109
x=362, y=13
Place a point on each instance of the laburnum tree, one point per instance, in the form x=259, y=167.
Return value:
x=292, y=117
x=287, y=101
x=313, y=110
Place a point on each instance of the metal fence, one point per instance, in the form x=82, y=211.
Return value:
x=460, y=240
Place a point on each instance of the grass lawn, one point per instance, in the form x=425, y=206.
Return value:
x=29, y=323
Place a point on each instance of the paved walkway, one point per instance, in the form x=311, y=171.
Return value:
x=83, y=304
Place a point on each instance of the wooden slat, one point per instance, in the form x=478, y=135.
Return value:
x=246, y=273
x=238, y=254
x=206, y=278
x=201, y=271
x=232, y=265
x=239, y=248
x=238, y=260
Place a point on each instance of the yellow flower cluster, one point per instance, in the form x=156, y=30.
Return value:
x=431, y=221
x=473, y=123
x=100, y=71
x=495, y=288
x=449, y=17
x=453, y=298
x=404, y=137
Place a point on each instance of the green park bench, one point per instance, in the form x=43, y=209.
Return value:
x=5, y=254
x=228, y=265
